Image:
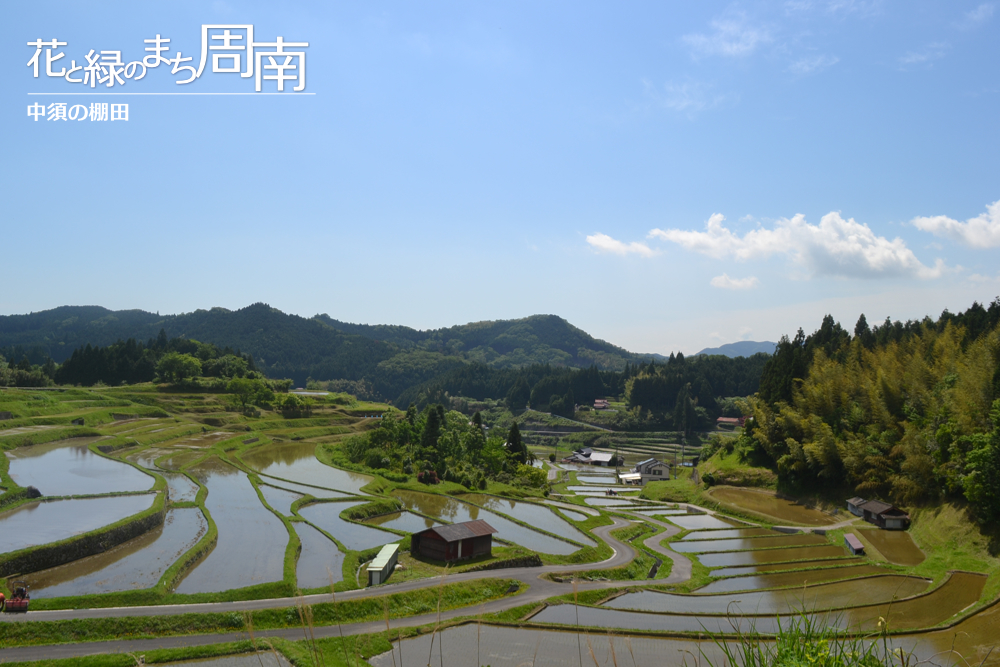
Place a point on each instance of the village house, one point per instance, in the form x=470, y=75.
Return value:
x=457, y=541
x=881, y=514
x=601, y=404
x=733, y=422
x=650, y=470
x=590, y=457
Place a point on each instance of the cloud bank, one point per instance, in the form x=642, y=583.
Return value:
x=983, y=231
x=834, y=247
x=606, y=244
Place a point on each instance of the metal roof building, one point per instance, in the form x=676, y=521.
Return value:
x=454, y=542
x=383, y=564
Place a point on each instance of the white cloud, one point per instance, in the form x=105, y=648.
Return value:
x=834, y=247
x=977, y=16
x=806, y=66
x=933, y=51
x=983, y=231
x=863, y=7
x=979, y=278
x=725, y=282
x=688, y=97
x=745, y=333
x=733, y=36
x=604, y=243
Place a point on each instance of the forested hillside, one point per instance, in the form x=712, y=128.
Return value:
x=903, y=411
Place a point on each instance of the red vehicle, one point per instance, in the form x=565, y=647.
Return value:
x=19, y=599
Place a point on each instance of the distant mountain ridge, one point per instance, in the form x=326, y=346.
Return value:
x=743, y=348
x=392, y=358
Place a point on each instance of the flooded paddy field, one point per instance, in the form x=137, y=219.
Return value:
x=727, y=534
x=202, y=440
x=738, y=544
x=613, y=502
x=453, y=510
x=181, y=458
x=306, y=490
x=897, y=546
x=43, y=522
x=960, y=591
x=700, y=521
x=571, y=506
x=319, y=562
x=69, y=468
x=407, y=522
x=788, y=579
x=591, y=489
x=352, y=535
x=138, y=563
x=609, y=479
x=576, y=516
x=280, y=499
x=603, y=619
x=777, y=567
x=872, y=590
x=763, y=502
x=249, y=534
x=771, y=555
x=531, y=514
x=297, y=462
x=664, y=512
x=516, y=647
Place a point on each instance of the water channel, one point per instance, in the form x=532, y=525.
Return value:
x=69, y=468
x=138, y=563
x=249, y=534
x=451, y=509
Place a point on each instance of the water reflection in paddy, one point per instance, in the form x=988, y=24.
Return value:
x=872, y=590
x=138, y=563
x=306, y=490
x=514, y=647
x=576, y=516
x=597, y=479
x=249, y=534
x=785, y=579
x=897, y=547
x=735, y=532
x=352, y=535
x=456, y=511
x=775, y=567
x=533, y=515
x=69, y=468
x=769, y=504
x=180, y=487
x=610, y=502
x=297, y=462
x=279, y=499
x=43, y=522
x=700, y=521
x=319, y=561
x=698, y=546
x=771, y=555
x=406, y=521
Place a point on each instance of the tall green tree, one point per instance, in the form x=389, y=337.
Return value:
x=515, y=446
x=176, y=367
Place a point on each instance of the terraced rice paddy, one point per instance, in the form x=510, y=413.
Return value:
x=533, y=515
x=788, y=579
x=777, y=567
x=734, y=558
x=768, y=504
x=725, y=534
x=872, y=590
x=611, y=502
x=69, y=468
x=700, y=521
x=356, y=537
x=598, y=479
x=897, y=546
x=249, y=534
x=280, y=499
x=407, y=522
x=456, y=511
x=576, y=516
x=43, y=522
x=737, y=544
x=304, y=490
x=297, y=462
x=320, y=562
x=138, y=563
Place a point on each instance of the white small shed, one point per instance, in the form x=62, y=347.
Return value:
x=383, y=565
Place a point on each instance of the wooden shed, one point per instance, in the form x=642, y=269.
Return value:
x=454, y=542
x=854, y=545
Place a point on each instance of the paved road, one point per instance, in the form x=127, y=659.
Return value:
x=539, y=589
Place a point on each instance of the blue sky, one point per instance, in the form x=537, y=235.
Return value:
x=665, y=175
